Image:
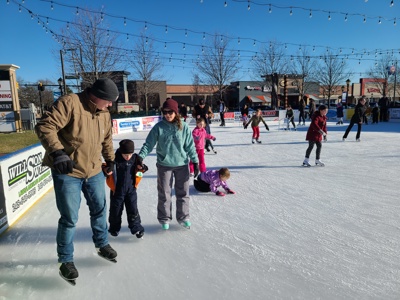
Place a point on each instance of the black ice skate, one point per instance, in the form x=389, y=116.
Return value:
x=68, y=272
x=107, y=253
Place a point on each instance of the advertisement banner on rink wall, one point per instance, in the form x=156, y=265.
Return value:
x=134, y=124
x=394, y=114
x=23, y=180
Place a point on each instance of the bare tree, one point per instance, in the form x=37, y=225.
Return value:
x=332, y=72
x=146, y=66
x=380, y=71
x=270, y=63
x=270, y=59
x=218, y=65
x=196, y=88
x=92, y=49
x=29, y=93
x=304, y=67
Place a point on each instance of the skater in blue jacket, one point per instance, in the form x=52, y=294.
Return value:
x=175, y=148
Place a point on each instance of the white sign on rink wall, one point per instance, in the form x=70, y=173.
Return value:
x=134, y=124
x=394, y=114
x=23, y=181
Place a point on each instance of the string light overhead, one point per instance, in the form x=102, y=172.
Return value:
x=291, y=9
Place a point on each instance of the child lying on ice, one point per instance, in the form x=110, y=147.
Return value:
x=211, y=180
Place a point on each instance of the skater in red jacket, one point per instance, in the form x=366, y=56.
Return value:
x=315, y=133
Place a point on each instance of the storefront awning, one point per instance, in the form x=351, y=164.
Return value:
x=259, y=99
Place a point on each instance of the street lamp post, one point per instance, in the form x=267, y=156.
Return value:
x=347, y=92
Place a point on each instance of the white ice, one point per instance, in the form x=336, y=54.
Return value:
x=290, y=232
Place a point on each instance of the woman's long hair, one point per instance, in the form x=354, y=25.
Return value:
x=178, y=121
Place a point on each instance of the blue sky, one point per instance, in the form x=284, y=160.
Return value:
x=27, y=45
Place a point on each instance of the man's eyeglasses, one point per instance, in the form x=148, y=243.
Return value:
x=168, y=112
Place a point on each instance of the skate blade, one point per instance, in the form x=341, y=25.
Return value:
x=108, y=259
x=184, y=226
x=139, y=234
x=70, y=281
x=306, y=166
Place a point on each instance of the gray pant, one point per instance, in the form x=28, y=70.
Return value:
x=165, y=178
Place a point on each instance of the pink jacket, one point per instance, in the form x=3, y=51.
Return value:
x=199, y=136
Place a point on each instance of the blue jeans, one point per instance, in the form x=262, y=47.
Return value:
x=68, y=198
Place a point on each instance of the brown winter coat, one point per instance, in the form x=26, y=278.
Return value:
x=74, y=124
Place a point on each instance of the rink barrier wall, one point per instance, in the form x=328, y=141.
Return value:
x=23, y=181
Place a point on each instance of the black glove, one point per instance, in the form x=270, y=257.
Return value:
x=196, y=169
x=61, y=162
x=139, y=161
x=214, y=139
x=144, y=168
x=245, y=126
x=109, y=166
x=266, y=127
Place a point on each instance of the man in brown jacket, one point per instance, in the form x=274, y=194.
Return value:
x=76, y=133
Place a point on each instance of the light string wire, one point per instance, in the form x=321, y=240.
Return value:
x=59, y=38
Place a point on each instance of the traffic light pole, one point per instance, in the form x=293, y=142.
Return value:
x=40, y=89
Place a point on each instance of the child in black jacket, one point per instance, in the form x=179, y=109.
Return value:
x=123, y=183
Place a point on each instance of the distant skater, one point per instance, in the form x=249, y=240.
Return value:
x=357, y=117
x=339, y=114
x=290, y=117
x=375, y=114
x=255, y=121
x=302, y=107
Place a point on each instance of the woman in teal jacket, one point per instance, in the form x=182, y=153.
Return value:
x=175, y=148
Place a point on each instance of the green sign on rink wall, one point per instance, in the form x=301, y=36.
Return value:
x=23, y=181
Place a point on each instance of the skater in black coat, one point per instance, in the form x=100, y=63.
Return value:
x=123, y=190
x=358, y=117
x=375, y=113
x=290, y=117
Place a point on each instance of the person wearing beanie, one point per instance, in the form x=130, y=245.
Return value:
x=123, y=184
x=175, y=148
x=126, y=147
x=171, y=104
x=76, y=134
x=105, y=89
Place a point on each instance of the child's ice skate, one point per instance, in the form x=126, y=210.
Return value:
x=306, y=163
x=185, y=223
x=319, y=163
